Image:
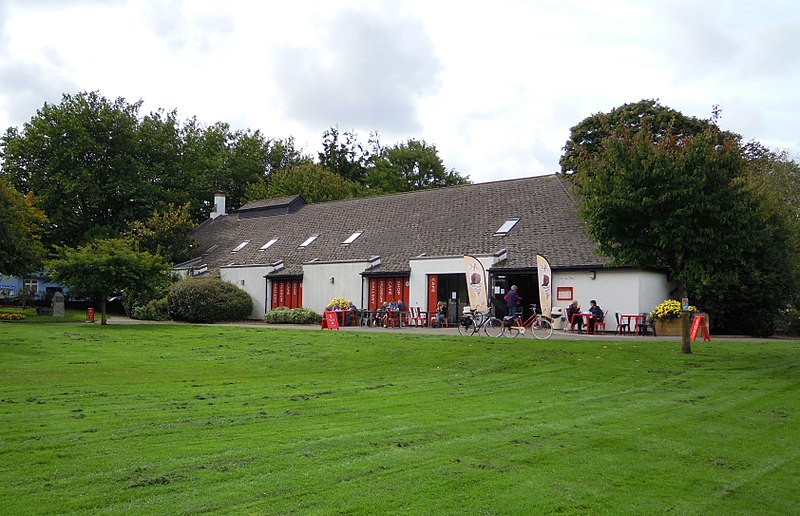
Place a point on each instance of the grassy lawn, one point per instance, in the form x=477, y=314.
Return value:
x=189, y=419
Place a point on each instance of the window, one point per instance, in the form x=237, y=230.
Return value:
x=309, y=240
x=507, y=226
x=352, y=238
x=240, y=246
x=268, y=244
x=31, y=284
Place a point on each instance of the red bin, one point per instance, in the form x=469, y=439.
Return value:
x=90, y=315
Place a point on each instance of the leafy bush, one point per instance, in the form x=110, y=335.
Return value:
x=788, y=322
x=208, y=300
x=154, y=310
x=283, y=315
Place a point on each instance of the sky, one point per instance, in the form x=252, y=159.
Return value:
x=495, y=86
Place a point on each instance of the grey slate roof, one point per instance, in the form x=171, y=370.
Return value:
x=442, y=222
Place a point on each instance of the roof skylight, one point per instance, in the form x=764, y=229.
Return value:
x=352, y=238
x=268, y=244
x=309, y=240
x=240, y=246
x=507, y=226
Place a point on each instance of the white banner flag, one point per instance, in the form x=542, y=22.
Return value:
x=476, y=284
x=545, y=288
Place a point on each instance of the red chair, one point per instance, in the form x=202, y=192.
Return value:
x=573, y=321
x=601, y=324
x=393, y=319
x=434, y=321
x=622, y=328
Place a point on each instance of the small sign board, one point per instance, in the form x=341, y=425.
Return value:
x=699, y=324
x=329, y=321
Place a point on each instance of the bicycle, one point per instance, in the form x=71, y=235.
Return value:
x=471, y=323
x=540, y=327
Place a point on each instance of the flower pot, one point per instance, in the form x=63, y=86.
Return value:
x=668, y=327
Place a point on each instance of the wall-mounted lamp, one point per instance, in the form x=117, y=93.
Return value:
x=592, y=274
x=331, y=279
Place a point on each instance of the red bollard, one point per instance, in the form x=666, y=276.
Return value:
x=90, y=315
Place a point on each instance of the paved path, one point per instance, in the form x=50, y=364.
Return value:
x=557, y=334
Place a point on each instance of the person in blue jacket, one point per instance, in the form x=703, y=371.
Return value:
x=597, y=315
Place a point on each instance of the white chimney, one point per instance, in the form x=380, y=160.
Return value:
x=219, y=205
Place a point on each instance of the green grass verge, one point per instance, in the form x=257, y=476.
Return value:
x=191, y=419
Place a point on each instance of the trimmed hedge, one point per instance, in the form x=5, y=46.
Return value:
x=208, y=300
x=283, y=315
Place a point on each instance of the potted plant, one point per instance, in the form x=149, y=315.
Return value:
x=667, y=317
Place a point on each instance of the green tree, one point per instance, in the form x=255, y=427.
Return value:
x=96, y=166
x=414, y=165
x=344, y=155
x=167, y=233
x=586, y=138
x=775, y=177
x=310, y=180
x=21, y=225
x=105, y=267
x=78, y=158
x=679, y=203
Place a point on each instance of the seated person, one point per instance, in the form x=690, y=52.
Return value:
x=381, y=314
x=597, y=315
x=351, y=315
x=441, y=314
x=573, y=309
x=403, y=309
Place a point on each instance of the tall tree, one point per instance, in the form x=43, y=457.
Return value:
x=414, y=165
x=678, y=203
x=21, y=225
x=586, y=138
x=310, y=180
x=108, y=266
x=96, y=166
x=344, y=155
x=166, y=233
x=77, y=158
x=775, y=177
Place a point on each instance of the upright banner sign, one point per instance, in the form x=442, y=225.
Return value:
x=476, y=284
x=545, y=288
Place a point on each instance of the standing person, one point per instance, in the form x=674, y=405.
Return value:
x=513, y=300
x=597, y=315
x=573, y=309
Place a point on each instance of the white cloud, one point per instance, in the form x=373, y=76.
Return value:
x=495, y=87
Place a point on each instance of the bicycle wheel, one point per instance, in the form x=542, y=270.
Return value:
x=514, y=331
x=467, y=327
x=542, y=329
x=493, y=327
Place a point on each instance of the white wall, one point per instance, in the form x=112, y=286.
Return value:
x=251, y=280
x=619, y=290
x=347, y=282
x=627, y=291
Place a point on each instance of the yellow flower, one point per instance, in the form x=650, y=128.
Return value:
x=669, y=309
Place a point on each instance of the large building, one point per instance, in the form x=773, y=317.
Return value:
x=284, y=252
